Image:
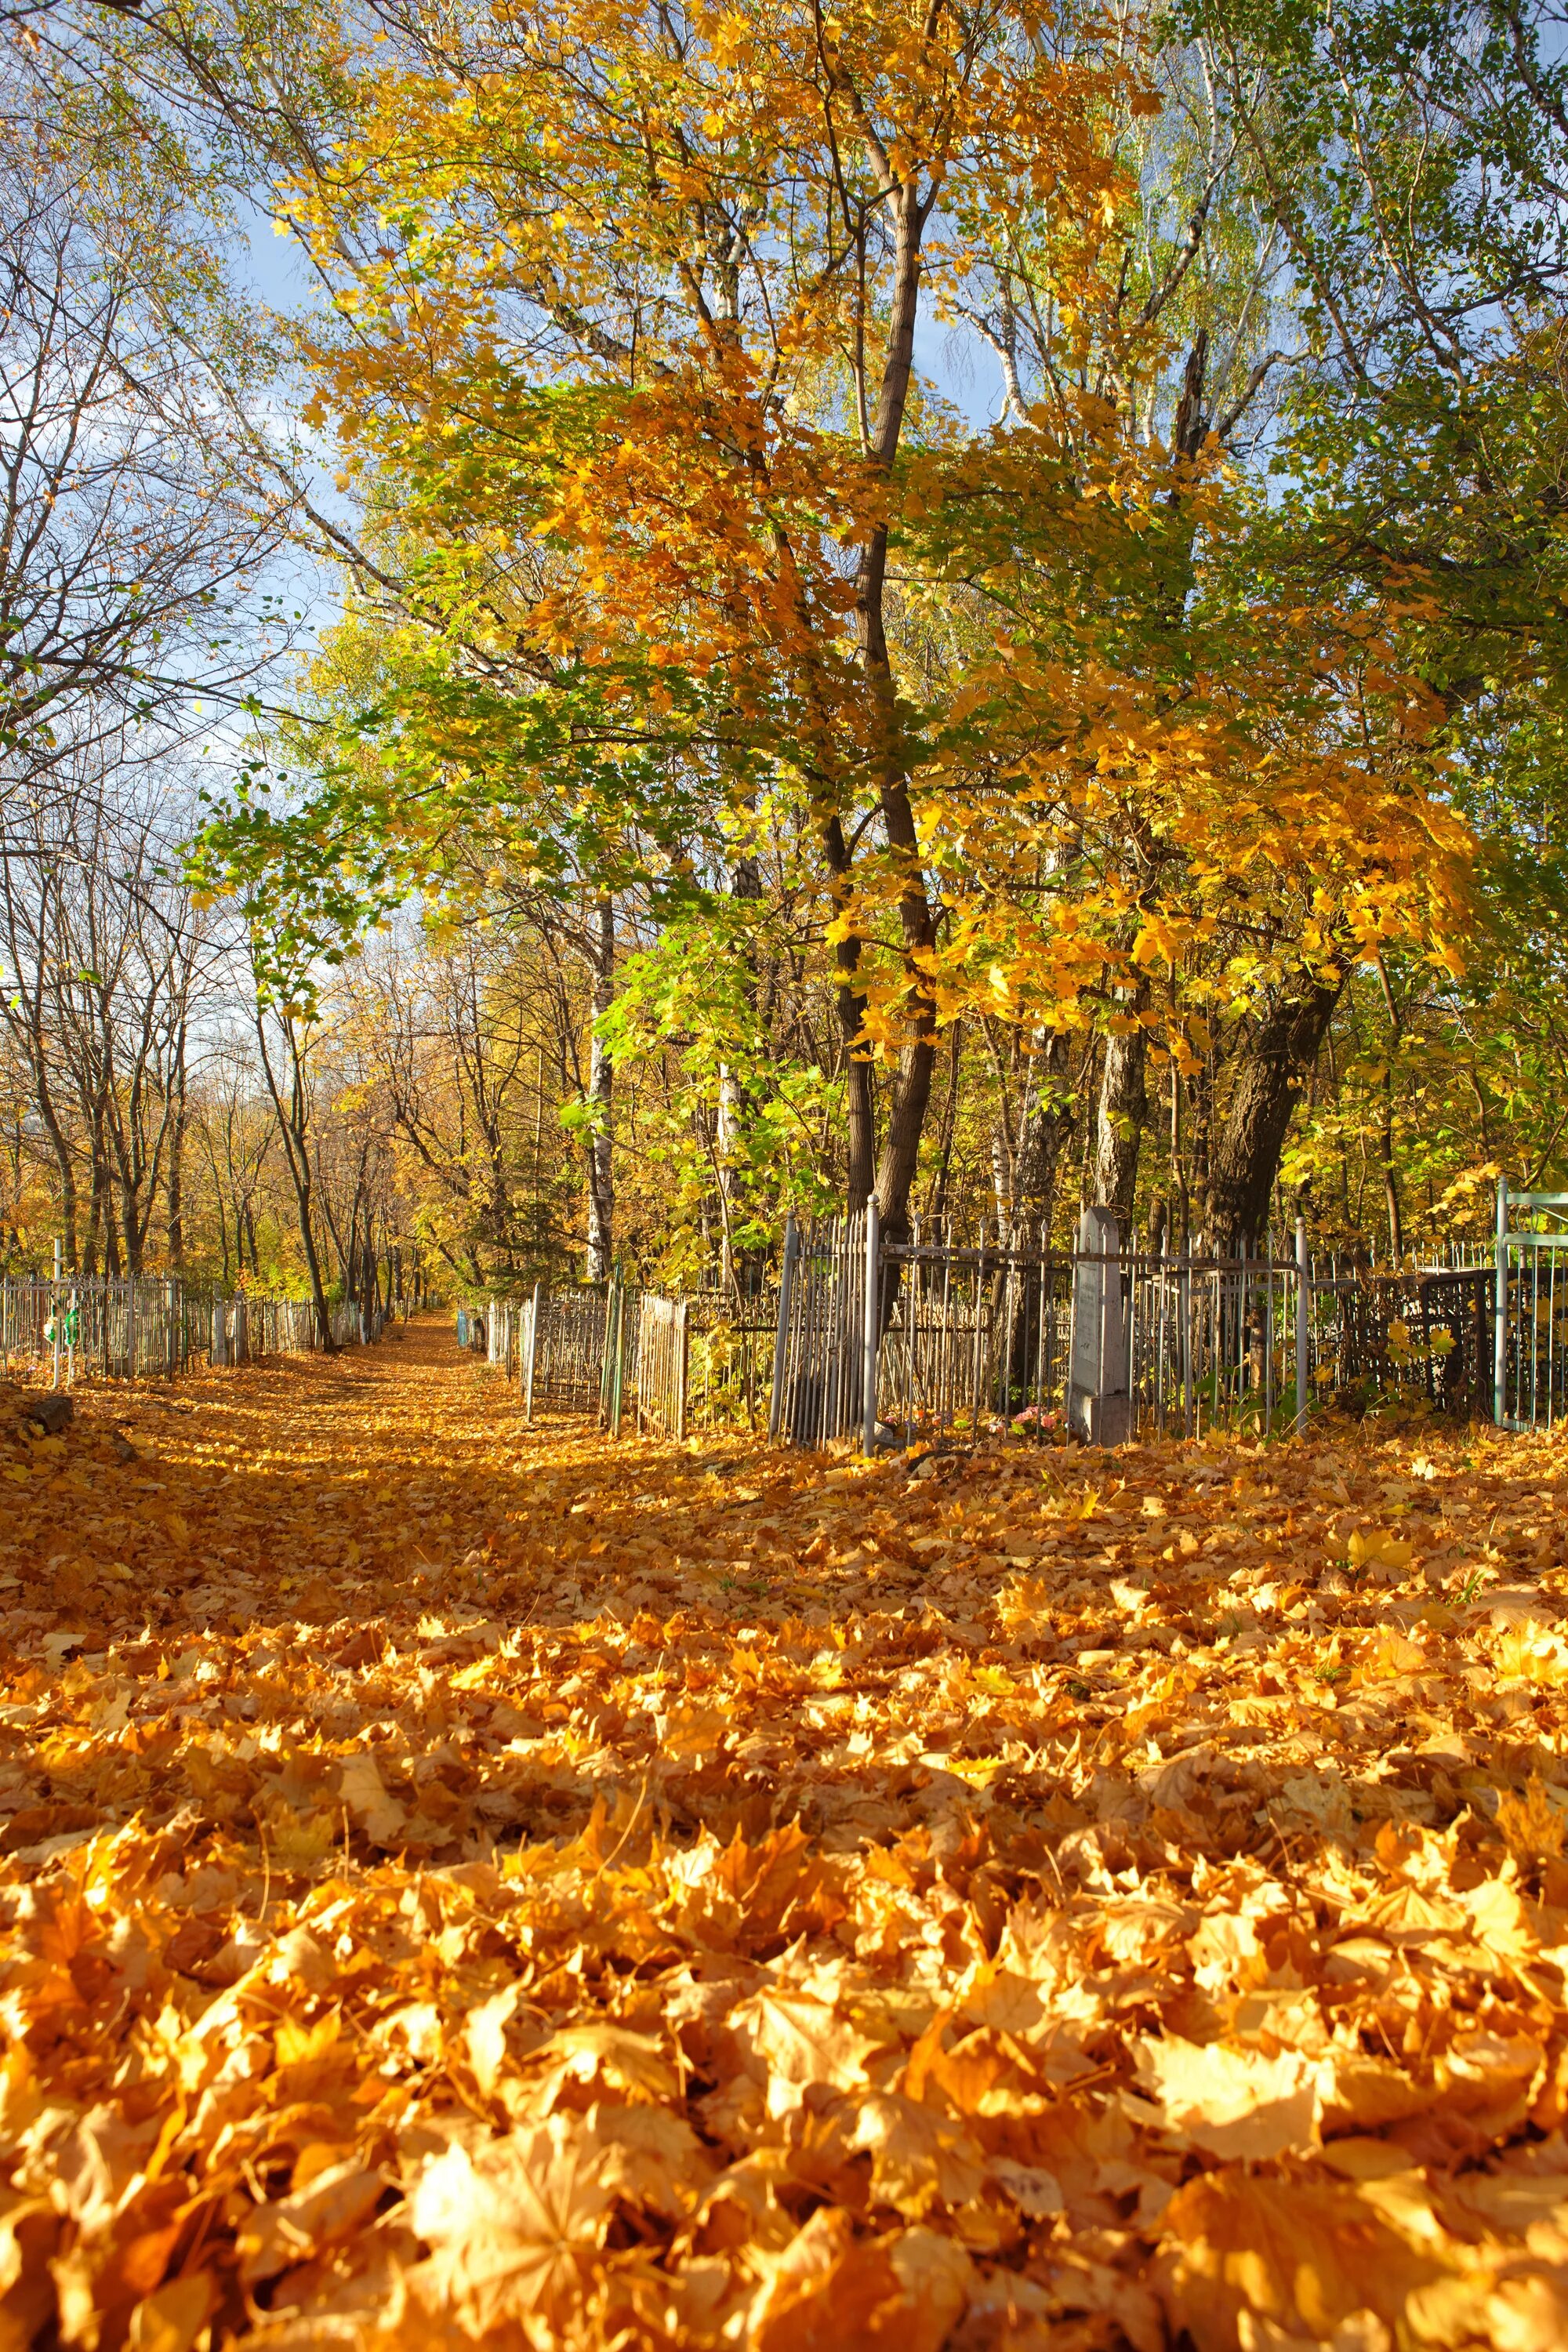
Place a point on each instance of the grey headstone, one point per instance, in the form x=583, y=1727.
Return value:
x=1099, y=1406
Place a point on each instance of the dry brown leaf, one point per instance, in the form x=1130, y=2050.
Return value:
x=1238, y=2104
x=794, y=2042
x=511, y=2226
x=333, y=2205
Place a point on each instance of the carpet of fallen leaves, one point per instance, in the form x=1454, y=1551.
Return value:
x=467, y=1884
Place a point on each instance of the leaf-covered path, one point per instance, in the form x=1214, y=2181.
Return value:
x=463, y=1882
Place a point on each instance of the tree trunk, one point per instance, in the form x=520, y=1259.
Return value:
x=175, y=1179
x=949, y=1120
x=293, y=1129
x=1122, y=1112
x=734, y=1110
x=860, y=1107
x=1390, y=1171
x=68, y=1199
x=1046, y=1124
x=901, y=1144
x=101, y=1205
x=601, y=1102
x=1270, y=1074
x=917, y=1060
x=911, y=1088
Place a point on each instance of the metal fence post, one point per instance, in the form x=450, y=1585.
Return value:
x=1499, y=1311
x=683, y=1366
x=620, y=1356
x=55, y=1315
x=532, y=1351
x=1303, y=1309
x=607, y=1362
x=781, y=1342
x=873, y=1322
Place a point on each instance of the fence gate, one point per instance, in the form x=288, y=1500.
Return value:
x=819, y=1361
x=1530, y=1367
x=560, y=1349
x=662, y=1364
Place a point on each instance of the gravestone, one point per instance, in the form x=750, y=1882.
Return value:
x=1099, y=1405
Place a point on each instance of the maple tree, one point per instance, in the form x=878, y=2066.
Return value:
x=1200, y=658
x=723, y=525
x=628, y=390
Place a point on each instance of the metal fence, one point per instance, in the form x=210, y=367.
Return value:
x=705, y=1361
x=552, y=1342
x=67, y=1330
x=245, y=1328
x=1114, y=1344
x=732, y=1344
x=88, y=1326
x=492, y=1331
x=1529, y=1349
x=822, y=1344
x=894, y=1342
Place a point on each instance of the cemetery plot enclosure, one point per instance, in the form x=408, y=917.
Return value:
x=895, y=1343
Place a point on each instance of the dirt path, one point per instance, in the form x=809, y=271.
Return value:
x=304, y=1487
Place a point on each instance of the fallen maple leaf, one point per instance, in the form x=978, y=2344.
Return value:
x=511, y=2225
x=1235, y=2103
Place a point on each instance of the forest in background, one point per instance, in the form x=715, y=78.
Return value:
x=964, y=603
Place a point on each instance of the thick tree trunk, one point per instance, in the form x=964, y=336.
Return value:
x=1046, y=1124
x=1122, y=1113
x=1270, y=1077
x=901, y=1144
x=860, y=1107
